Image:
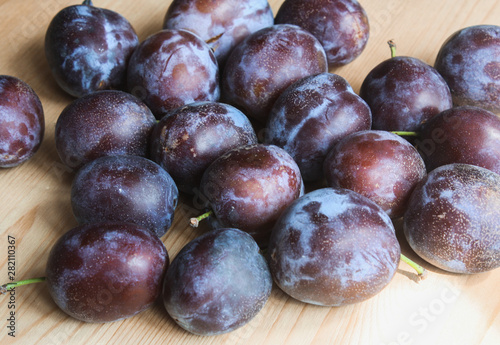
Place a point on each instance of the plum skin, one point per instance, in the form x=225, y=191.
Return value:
x=223, y=23
x=341, y=26
x=311, y=116
x=404, y=92
x=248, y=187
x=453, y=218
x=172, y=68
x=217, y=283
x=465, y=134
x=103, y=123
x=88, y=49
x=105, y=272
x=469, y=61
x=377, y=164
x=333, y=247
x=125, y=188
x=265, y=63
x=22, y=122
x=189, y=138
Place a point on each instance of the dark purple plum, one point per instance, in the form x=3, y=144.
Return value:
x=311, y=116
x=104, y=123
x=466, y=134
x=333, y=247
x=188, y=139
x=172, y=68
x=403, y=92
x=340, y=25
x=265, y=63
x=248, y=188
x=105, y=272
x=125, y=188
x=453, y=219
x=379, y=165
x=221, y=23
x=22, y=122
x=217, y=283
x=469, y=61
x=88, y=49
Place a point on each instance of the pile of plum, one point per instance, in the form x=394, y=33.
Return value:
x=301, y=176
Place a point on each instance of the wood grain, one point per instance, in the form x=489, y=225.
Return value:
x=35, y=209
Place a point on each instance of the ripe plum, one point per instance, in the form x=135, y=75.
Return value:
x=248, y=188
x=403, y=92
x=188, y=139
x=105, y=272
x=311, y=116
x=469, y=61
x=379, y=165
x=217, y=283
x=221, y=23
x=104, y=123
x=125, y=188
x=22, y=122
x=172, y=68
x=333, y=247
x=88, y=49
x=265, y=63
x=340, y=25
x=453, y=219
x=466, y=134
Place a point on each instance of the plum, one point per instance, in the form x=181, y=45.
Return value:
x=189, y=138
x=465, y=134
x=333, y=247
x=103, y=123
x=221, y=23
x=403, y=92
x=469, y=61
x=377, y=164
x=173, y=68
x=265, y=63
x=217, y=283
x=248, y=187
x=340, y=25
x=88, y=49
x=311, y=116
x=125, y=188
x=104, y=272
x=453, y=218
x=22, y=121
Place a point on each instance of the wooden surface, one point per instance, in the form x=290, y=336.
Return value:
x=35, y=209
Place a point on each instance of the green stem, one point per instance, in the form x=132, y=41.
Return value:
x=405, y=133
x=87, y=2
x=392, y=45
x=9, y=286
x=195, y=221
x=422, y=273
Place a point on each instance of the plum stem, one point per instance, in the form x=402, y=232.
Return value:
x=405, y=133
x=195, y=221
x=422, y=272
x=88, y=3
x=392, y=45
x=214, y=39
x=9, y=286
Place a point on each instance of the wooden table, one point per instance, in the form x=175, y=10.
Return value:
x=35, y=209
